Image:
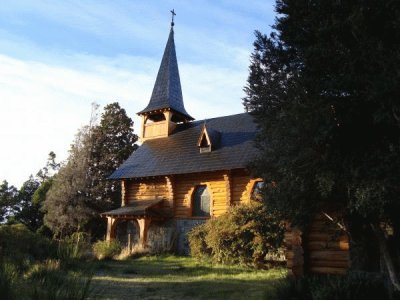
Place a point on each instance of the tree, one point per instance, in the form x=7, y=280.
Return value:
x=26, y=212
x=28, y=200
x=67, y=203
x=324, y=89
x=113, y=142
x=7, y=201
x=80, y=190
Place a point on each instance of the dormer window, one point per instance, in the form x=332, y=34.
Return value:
x=208, y=140
x=205, y=145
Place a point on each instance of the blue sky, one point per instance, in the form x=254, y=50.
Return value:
x=57, y=57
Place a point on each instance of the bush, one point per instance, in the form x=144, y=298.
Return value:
x=20, y=245
x=106, y=249
x=49, y=281
x=197, y=241
x=244, y=235
x=75, y=246
x=8, y=278
x=355, y=285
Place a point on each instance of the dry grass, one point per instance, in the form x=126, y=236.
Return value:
x=171, y=277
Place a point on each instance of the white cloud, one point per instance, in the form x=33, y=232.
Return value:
x=57, y=57
x=43, y=105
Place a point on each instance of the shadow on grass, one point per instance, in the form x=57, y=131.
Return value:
x=171, y=277
x=202, y=289
x=166, y=266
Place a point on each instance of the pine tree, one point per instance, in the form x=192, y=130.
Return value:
x=324, y=88
x=113, y=142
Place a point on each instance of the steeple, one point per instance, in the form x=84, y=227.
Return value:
x=167, y=93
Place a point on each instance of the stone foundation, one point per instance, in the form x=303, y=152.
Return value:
x=183, y=227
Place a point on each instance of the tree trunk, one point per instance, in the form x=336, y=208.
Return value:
x=383, y=247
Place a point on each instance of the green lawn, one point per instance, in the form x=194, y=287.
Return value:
x=171, y=277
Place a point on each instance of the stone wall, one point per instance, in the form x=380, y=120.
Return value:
x=183, y=227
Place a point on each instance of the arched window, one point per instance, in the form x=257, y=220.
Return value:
x=201, y=202
x=258, y=190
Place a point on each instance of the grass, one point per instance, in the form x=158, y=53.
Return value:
x=171, y=277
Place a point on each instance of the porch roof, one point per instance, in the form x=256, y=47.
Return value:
x=137, y=208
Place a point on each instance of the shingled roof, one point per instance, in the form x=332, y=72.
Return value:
x=167, y=91
x=179, y=152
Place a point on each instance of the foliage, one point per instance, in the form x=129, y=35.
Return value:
x=20, y=245
x=80, y=191
x=8, y=278
x=25, y=211
x=356, y=285
x=7, y=200
x=44, y=280
x=243, y=235
x=25, y=204
x=197, y=240
x=67, y=203
x=106, y=249
x=114, y=141
x=49, y=281
x=73, y=247
x=323, y=88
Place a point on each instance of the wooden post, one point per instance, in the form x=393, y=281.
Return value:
x=130, y=242
x=110, y=229
x=170, y=198
x=143, y=228
x=123, y=192
x=294, y=251
x=228, y=190
x=142, y=133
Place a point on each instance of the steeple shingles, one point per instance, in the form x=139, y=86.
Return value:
x=167, y=91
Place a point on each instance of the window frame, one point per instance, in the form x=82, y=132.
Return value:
x=253, y=197
x=192, y=202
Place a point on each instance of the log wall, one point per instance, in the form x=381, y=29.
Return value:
x=242, y=186
x=185, y=185
x=324, y=248
x=151, y=188
x=226, y=188
x=328, y=247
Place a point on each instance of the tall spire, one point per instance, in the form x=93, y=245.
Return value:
x=167, y=91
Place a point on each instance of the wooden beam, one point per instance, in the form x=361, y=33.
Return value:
x=228, y=190
x=171, y=195
x=123, y=192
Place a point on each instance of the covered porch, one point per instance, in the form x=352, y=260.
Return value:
x=137, y=218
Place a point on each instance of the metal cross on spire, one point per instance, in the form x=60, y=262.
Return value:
x=173, y=15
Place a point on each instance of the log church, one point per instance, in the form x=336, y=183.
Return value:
x=187, y=171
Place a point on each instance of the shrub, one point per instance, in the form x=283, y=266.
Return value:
x=197, y=241
x=106, y=249
x=49, y=281
x=8, y=278
x=75, y=246
x=244, y=235
x=20, y=245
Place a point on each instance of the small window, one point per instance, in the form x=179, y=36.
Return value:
x=258, y=190
x=201, y=202
x=205, y=146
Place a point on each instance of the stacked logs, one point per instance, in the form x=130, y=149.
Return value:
x=327, y=247
x=294, y=251
x=324, y=248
